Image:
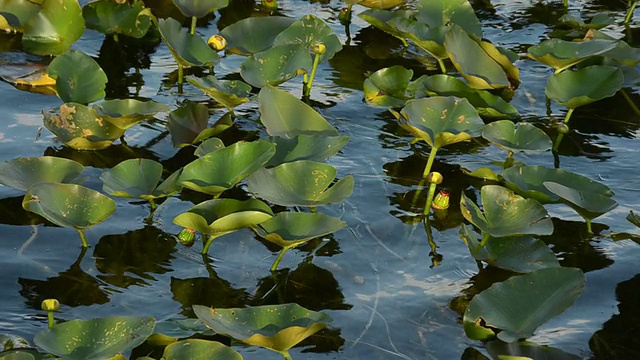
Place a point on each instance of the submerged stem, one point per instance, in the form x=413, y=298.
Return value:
x=274, y=267
x=83, y=238
x=430, y=195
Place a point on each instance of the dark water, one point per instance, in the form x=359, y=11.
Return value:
x=376, y=278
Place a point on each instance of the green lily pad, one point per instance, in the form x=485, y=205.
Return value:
x=286, y=116
x=95, y=339
x=110, y=17
x=222, y=169
x=78, y=77
x=21, y=354
x=585, y=86
x=22, y=173
x=276, y=65
x=589, y=205
x=199, y=8
x=197, y=349
x=229, y=93
x=506, y=214
x=561, y=54
x=521, y=254
x=380, y=4
x=54, y=29
x=68, y=205
x=186, y=48
x=138, y=178
x=218, y=217
x=80, y=127
x=436, y=13
x=526, y=350
x=207, y=146
x=598, y=21
x=487, y=104
x=189, y=124
x=289, y=229
x=300, y=183
x=528, y=181
x=16, y=13
x=518, y=306
x=254, y=34
x=440, y=120
x=475, y=60
x=124, y=113
x=520, y=137
x=275, y=327
x=306, y=147
x=308, y=31
x=387, y=87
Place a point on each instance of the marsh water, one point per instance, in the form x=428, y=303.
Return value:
x=390, y=295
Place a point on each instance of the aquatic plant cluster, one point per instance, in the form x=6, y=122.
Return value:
x=287, y=175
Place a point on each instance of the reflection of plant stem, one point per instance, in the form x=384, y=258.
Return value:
x=430, y=195
x=82, y=238
x=207, y=243
x=485, y=239
x=284, y=250
x=285, y=355
x=631, y=6
x=561, y=135
x=435, y=257
x=631, y=103
x=566, y=3
x=306, y=91
x=193, y=25
x=415, y=197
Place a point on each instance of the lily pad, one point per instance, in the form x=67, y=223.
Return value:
x=276, y=65
x=189, y=124
x=514, y=253
x=561, y=54
x=207, y=146
x=275, y=327
x=300, y=183
x=520, y=137
x=16, y=13
x=506, y=214
x=229, y=93
x=289, y=229
x=222, y=169
x=436, y=13
x=54, y=29
x=526, y=350
x=124, y=113
x=138, y=178
x=68, y=205
x=515, y=308
x=197, y=349
x=22, y=173
x=306, y=147
x=112, y=17
x=78, y=77
x=387, y=87
x=286, y=116
x=80, y=127
x=308, y=31
x=199, y=8
x=254, y=34
x=440, y=120
x=95, y=339
x=585, y=86
x=589, y=205
x=186, y=48
x=380, y=4
x=528, y=181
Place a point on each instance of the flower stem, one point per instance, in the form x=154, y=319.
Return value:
x=82, y=238
x=284, y=250
x=589, y=226
x=205, y=249
x=50, y=320
x=631, y=104
x=307, y=85
x=443, y=67
x=485, y=239
x=630, y=8
x=285, y=355
x=432, y=156
x=561, y=135
x=193, y=25
x=180, y=74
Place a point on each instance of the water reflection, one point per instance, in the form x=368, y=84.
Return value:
x=72, y=287
x=140, y=252
x=12, y=213
x=619, y=337
x=102, y=159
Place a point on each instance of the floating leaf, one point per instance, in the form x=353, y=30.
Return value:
x=16, y=13
x=526, y=350
x=255, y=34
x=54, y=29
x=276, y=65
x=440, y=121
x=289, y=229
x=80, y=128
x=95, y=339
x=186, y=48
x=286, y=116
x=229, y=93
x=306, y=147
x=528, y=181
x=36, y=82
x=582, y=87
x=589, y=205
x=387, y=87
x=112, y=17
x=561, y=54
x=275, y=327
x=521, y=137
x=308, y=31
x=138, y=178
x=197, y=349
x=222, y=169
x=22, y=173
x=518, y=306
x=124, y=113
x=380, y=4
x=300, y=183
x=68, y=205
x=506, y=214
x=207, y=146
x=79, y=78
x=437, y=13
x=187, y=122
x=199, y=8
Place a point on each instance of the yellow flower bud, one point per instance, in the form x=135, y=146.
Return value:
x=319, y=49
x=217, y=42
x=50, y=305
x=435, y=177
